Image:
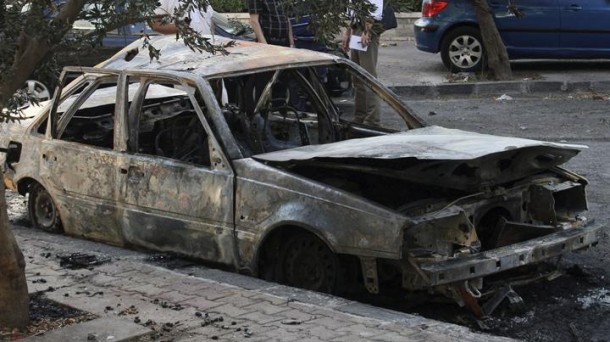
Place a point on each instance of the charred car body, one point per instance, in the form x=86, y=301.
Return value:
x=244, y=160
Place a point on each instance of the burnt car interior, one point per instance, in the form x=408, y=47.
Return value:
x=165, y=121
x=287, y=108
x=81, y=118
x=273, y=111
x=168, y=126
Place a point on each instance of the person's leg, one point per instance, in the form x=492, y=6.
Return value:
x=359, y=92
x=368, y=60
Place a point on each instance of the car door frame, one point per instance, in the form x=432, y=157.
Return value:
x=193, y=234
x=84, y=209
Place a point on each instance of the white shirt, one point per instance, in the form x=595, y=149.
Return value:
x=200, y=21
x=378, y=13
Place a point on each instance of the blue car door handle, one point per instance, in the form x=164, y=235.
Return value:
x=574, y=7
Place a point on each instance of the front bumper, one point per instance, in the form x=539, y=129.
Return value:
x=512, y=256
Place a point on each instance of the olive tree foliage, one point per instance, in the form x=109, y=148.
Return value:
x=35, y=32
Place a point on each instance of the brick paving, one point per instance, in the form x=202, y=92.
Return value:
x=180, y=307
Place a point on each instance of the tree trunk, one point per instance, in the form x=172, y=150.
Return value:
x=497, y=57
x=14, y=299
x=33, y=50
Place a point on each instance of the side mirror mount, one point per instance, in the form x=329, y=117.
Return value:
x=13, y=153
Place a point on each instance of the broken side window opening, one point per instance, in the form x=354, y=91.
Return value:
x=164, y=122
x=286, y=113
x=66, y=95
x=87, y=114
x=276, y=110
x=364, y=107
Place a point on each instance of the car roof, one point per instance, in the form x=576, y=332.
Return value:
x=243, y=56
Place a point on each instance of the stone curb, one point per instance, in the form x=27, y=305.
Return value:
x=506, y=87
x=97, y=330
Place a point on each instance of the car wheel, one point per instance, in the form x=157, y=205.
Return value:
x=462, y=50
x=38, y=90
x=42, y=210
x=307, y=263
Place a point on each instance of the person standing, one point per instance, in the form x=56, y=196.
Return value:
x=200, y=19
x=270, y=23
x=366, y=103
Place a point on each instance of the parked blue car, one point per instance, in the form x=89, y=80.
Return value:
x=557, y=29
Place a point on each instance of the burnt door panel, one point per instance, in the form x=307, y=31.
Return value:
x=176, y=193
x=78, y=163
x=82, y=181
x=172, y=206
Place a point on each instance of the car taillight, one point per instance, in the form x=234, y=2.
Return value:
x=433, y=7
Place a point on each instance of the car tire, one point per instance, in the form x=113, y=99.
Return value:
x=462, y=50
x=43, y=211
x=306, y=262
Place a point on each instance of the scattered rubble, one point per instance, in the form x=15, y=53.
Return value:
x=132, y=310
x=77, y=261
x=504, y=97
x=291, y=322
x=166, y=305
x=599, y=296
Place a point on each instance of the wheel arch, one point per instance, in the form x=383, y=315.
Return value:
x=277, y=240
x=284, y=230
x=24, y=184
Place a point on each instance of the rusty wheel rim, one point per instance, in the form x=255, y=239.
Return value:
x=310, y=265
x=44, y=210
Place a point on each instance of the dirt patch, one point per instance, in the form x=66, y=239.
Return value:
x=573, y=307
x=46, y=315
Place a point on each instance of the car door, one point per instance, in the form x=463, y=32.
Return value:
x=175, y=183
x=536, y=32
x=585, y=27
x=78, y=159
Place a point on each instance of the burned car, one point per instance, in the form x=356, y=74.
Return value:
x=244, y=160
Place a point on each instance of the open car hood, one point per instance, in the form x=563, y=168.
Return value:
x=434, y=155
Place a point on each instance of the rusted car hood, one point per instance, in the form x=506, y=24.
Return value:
x=435, y=155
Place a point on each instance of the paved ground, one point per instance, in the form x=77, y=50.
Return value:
x=138, y=300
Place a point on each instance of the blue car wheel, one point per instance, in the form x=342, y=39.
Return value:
x=462, y=50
